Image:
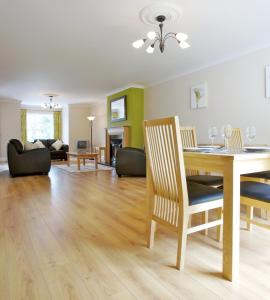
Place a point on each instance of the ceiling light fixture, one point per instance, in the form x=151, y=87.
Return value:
x=160, y=38
x=51, y=105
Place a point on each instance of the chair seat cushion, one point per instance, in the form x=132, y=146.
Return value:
x=209, y=180
x=255, y=190
x=261, y=175
x=199, y=193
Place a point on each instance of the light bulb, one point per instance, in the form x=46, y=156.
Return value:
x=91, y=118
x=151, y=35
x=181, y=36
x=184, y=45
x=138, y=44
x=150, y=49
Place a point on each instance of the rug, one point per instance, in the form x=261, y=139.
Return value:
x=89, y=167
x=3, y=167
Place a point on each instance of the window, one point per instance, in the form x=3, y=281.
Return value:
x=39, y=125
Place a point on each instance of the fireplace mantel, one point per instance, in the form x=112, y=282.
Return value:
x=116, y=130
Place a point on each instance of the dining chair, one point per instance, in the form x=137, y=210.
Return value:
x=235, y=142
x=173, y=199
x=189, y=140
x=255, y=194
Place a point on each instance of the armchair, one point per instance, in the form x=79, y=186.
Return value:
x=36, y=161
x=131, y=162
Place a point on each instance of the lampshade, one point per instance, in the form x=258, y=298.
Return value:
x=138, y=44
x=150, y=49
x=91, y=118
x=151, y=35
x=181, y=37
x=184, y=45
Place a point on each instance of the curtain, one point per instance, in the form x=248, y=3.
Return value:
x=57, y=121
x=23, y=125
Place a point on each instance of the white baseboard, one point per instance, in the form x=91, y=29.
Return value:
x=3, y=159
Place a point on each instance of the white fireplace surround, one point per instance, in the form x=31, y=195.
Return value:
x=116, y=131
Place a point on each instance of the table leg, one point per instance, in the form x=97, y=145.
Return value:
x=96, y=162
x=84, y=161
x=78, y=163
x=68, y=160
x=231, y=225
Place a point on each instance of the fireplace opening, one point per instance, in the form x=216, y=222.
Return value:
x=116, y=143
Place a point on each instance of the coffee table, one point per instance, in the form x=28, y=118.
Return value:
x=83, y=156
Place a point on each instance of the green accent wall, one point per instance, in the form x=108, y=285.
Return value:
x=135, y=114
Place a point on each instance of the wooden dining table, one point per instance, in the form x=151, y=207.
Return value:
x=231, y=166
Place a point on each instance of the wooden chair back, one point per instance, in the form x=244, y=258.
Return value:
x=166, y=170
x=188, y=137
x=189, y=140
x=236, y=141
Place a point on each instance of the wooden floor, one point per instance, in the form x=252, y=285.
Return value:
x=82, y=236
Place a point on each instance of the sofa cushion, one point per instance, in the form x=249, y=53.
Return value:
x=57, y=145
x=39, y=144
x=18, y=145
x=50, y=142
x=30, y=146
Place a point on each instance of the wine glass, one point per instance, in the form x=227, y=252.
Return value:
x=212, y=133
x=226, y=133
x=250, y=133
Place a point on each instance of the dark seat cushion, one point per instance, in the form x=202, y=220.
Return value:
x=261, y=175
x=18, y=145
x=209, y=180
x=255, y=190
x=198, y=193
x=57, y=152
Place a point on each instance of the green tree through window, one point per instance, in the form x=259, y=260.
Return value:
x=39, y=125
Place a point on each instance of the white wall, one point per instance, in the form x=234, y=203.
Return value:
x=236, y=95
x=10, y=124
x=65, y=124
x=99, y=110
x=79, y=127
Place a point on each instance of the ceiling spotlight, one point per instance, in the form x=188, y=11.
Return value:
x=160, y=38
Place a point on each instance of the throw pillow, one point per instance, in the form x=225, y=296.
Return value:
x=30, y=146
x=57, y=145
x=39, y=144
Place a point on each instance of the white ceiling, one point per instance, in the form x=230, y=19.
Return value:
x=82, y=50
